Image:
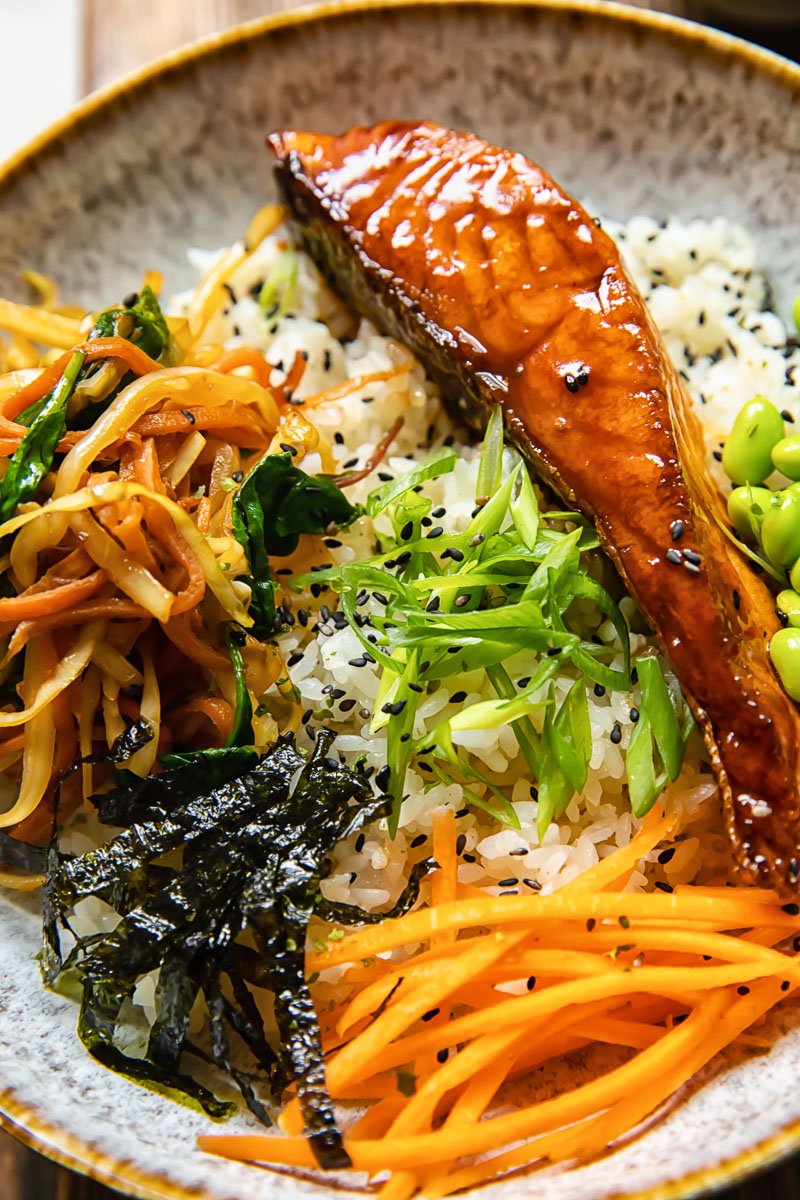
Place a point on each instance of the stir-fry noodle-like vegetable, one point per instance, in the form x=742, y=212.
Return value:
x=120, y=572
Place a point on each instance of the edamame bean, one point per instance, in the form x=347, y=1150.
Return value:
x=784, y=650
x=789, y=603
x=747, y=457
x=747, y=507
x=786, y=456
x=780, y=529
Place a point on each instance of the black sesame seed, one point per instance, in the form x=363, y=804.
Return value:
x=439, y=512
x=385, y=477
x=452, y=552
x=693, y=557
x=634, y=715
x=237, y=476
x=737, y=600
x=599, y=690
x=357, y=662
x=287, y=449
x=508, y=882
x=787, y=416
x=419, y=840
x=571, y=383
x=432, y=605
x=407, y=530
x=346, y=705
x=307, y=715
x=531, y=984
x=590, y=924
x=436, y=532
x=359, y=846
x=791, y=909
x=461, y=842
x=785, y=985
x=663, y=887
x=415, y=687
x=394, y=710
x=794, y=870
x=534, y=791
x=463, y=812
x=351, y=462
x=616, y=734
x=469, y=858
x=665, y=855
x=430, y=1014
x=295, y=658
x=382, y=777
x=742, y=990
x=337, y=693
x=458, y=697
x=442, y=1056
x=675, y=557
x=554, y=651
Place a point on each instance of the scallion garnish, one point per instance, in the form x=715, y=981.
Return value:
x=468, y=601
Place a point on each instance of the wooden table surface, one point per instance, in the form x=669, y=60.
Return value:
x=117, y=36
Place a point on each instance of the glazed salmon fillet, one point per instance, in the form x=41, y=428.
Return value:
x=510, y=294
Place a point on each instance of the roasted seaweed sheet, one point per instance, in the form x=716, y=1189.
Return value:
x=254, y=837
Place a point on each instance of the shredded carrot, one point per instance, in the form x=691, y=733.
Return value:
x=34, y=604
x=245, y=356
x=112, y=347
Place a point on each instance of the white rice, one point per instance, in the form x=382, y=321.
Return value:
x=711, y=304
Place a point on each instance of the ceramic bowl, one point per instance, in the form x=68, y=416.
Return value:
x=632, y=110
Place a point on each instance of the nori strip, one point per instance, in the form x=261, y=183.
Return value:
x=255, y=837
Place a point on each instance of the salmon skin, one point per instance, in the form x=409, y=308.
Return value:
x=510, y=294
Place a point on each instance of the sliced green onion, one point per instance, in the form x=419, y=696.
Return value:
x=441, y=462
x=276, y=296
x=491, y=464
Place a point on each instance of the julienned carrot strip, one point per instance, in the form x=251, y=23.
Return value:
x=245, y=356
x=657, y=826
x=180, y=632
x=33, y=604
x=714, y=1025
x=445, y=880
x=519, y=1010
x=354, y=385
x=113, y=347
x=354, y=1060
x=240, y=420
x=117, y=608
x=450, y=1143
x=726, y=912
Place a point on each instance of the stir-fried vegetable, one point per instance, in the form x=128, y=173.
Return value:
x=275, y=505
x=458, y=602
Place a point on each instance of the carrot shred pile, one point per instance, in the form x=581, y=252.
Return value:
x=496, y=985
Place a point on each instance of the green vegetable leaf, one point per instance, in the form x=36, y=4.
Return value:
x=33, y=457
x=241, y=733
x=275, y=505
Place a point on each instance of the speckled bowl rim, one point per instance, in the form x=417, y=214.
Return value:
x=22, y=1121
